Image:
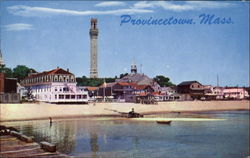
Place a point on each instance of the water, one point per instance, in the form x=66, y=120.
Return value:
x=121, y=138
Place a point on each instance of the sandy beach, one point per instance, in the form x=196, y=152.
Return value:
x=26, y=111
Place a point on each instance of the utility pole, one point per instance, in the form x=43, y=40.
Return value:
x=104, y=87
x=217, y=80
x=140, y=68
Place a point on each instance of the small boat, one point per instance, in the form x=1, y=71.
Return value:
x=164, y=122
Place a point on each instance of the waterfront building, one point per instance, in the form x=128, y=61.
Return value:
x=55, y=86
x=106, y=91
x=213, y=93
x=167, y=94
x=123, y=91
x=191, y=90
x=235, y=93
x=8, y=90
x=92, y=91
x=93, y=32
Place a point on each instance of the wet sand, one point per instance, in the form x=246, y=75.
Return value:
x=26, y=111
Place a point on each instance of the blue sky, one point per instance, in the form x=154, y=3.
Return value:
x=47, y=34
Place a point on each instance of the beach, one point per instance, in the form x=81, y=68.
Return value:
x=33, y=111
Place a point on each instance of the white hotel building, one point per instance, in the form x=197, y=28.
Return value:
x=55, y=86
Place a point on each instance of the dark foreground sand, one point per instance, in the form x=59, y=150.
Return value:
x=13, y=112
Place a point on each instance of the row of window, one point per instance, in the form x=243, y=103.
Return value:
x=42, y=90
x=198, y=86
x=71, y=96
x=50, y=78
x=64, y=89
x=232, y=93
x=169, y=98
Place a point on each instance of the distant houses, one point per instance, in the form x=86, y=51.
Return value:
x=59, y=86
x=139, y=88
x=124, y=91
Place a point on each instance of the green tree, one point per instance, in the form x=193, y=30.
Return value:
x=21, y=71
x=163, y=81
x=93, y=82
x=7, y=71
x=108, y=80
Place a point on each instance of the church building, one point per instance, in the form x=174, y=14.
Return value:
x=139, y=78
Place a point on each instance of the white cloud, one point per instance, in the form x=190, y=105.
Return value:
x=110, y=4
x=138, y=7
x=182, y=6
x=27, y=11
x=18, y=27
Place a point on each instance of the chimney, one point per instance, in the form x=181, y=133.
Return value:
x=67, y=69
x=57, y=67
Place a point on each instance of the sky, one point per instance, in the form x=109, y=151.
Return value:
x=47, y=34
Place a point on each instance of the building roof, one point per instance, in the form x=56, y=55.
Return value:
x=158, y=93
x=126, y=83
x=141, y=87
x=145, y=94
x=92, y=88
x=138, y=78
x=52, y=72
x=170, y=88
x=187, y=83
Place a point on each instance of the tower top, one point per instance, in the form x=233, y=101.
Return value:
x=133, y=67
x=93, y=23
x=93, y=32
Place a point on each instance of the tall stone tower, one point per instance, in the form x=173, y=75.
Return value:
x=93, y=32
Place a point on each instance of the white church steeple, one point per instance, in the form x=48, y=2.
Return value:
x=133, y=67
x=1, y=59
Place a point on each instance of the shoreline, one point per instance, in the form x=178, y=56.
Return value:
x=110, y=116
x=42, y=111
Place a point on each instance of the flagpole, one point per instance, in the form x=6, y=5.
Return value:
x=104, y=86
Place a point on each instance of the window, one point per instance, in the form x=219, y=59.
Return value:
x=72, y=79
x=176, y=97
x=73, y=96
x=84, y=96
x=55, y=96
x=61, y=96
x=67, y=97
x=79, y=96
x=65, y=89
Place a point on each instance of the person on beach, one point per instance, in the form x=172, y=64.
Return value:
x=132, y=112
